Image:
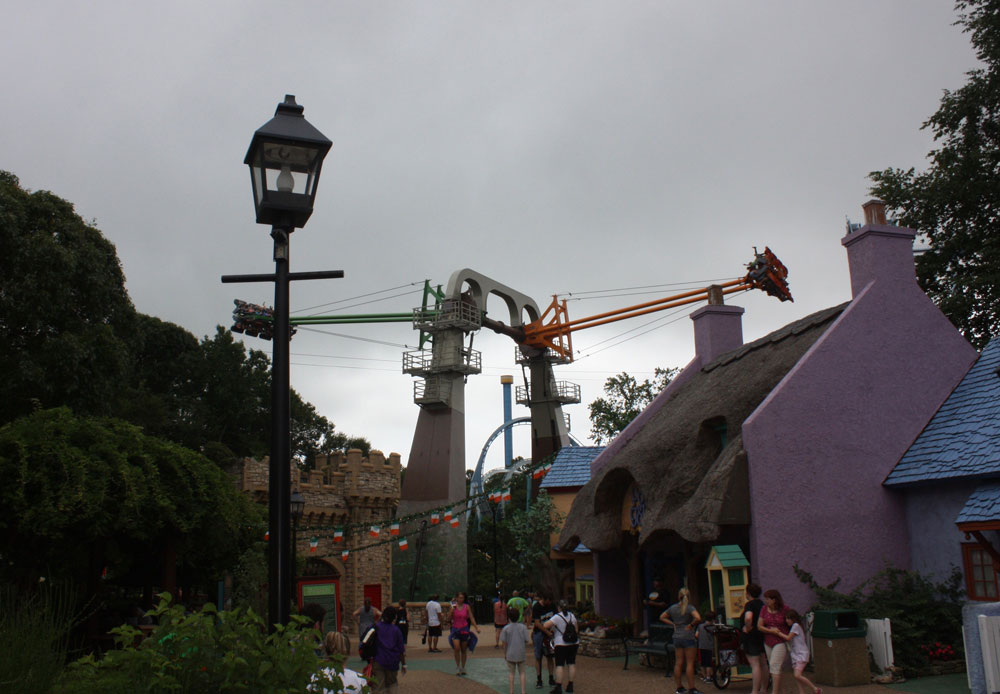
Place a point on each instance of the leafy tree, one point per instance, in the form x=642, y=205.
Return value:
x=65, y=317
x=81, y=494
x=626, y=398
x=955, y=203
x=522, y=545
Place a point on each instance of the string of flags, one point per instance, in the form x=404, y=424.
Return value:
x=448, y=513
x=537, y=471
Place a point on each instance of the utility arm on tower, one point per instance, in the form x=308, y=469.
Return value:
x=553, y=330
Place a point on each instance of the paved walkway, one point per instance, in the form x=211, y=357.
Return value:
x=431, y=673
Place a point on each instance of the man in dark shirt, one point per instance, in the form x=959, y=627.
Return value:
x=541, y=611
x=753, y=640
x=390, y=653
x=655, y=602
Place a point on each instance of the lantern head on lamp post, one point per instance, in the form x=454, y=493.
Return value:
x=285, y=158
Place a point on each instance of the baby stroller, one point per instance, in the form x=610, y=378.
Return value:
x=727, y=653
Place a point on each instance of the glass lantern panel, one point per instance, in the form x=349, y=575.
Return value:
x=258, y=183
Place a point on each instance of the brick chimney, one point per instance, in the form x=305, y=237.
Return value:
x=879, y=251
x=717, y=328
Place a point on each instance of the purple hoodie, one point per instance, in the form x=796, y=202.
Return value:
x=390, y=646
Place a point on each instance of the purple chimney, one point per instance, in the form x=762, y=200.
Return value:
x=717, y=328
x=879, y=251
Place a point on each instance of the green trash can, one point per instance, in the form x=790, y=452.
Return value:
x=838, y=624
x=840, y=654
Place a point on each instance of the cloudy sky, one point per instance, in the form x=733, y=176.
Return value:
x=556, y=146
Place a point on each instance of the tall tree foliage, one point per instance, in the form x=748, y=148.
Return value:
x=83, y=493
x=69, y=336
x=626, y=398
x=956, y=201
x=65, y=317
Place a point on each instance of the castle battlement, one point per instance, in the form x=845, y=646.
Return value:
x=348, y=489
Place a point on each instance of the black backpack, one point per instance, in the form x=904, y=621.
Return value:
x=369, y=643
x=569, y=634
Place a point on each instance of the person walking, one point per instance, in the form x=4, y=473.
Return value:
x=799, y=651
x=683, y=618
x=499, y=618
x=521, y=605
x=706, y=646
x=774, y=626
x=402, y=620
x=390, y=654
x=515, y=639
x=366, y=615
x=433, y=608
x=461, y=638
x=562, y=627
x=753, y=640
x=540, y=613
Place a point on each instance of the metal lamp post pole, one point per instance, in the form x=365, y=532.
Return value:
x=279, y=566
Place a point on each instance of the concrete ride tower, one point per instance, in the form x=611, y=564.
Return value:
x=436, y=561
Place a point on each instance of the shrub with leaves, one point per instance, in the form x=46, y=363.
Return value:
x=206, y=651
x=920, y=610
x=34, y=630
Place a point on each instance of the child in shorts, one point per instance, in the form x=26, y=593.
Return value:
x=799, y=650
x=706, y=646
x=514, y=639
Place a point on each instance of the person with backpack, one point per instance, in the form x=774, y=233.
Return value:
x=562, y=627
x=383, y=646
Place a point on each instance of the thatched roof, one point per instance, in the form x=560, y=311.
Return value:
x=689, y=485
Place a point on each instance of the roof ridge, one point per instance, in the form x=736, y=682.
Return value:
x=794, y=328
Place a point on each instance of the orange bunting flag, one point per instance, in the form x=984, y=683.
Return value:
x=454, y=522
x=506, y=494
x=403, y=544
x=267, y=535
x=394, y=529
x=344, y=555
x=447, y=515
x=313, y=543
x=373, y=531
x=434, y=519
x=338, y=535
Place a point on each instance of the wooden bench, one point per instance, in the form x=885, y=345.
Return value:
x=660, y=642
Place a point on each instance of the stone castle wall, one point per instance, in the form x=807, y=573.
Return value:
x=342, y=490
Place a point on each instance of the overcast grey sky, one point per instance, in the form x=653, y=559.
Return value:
x=566, y=146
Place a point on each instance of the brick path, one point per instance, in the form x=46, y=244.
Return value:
x=487, y=673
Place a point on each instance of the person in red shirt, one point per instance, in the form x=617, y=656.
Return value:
x=499, y=617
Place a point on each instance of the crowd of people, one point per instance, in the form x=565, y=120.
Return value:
x=771, y=635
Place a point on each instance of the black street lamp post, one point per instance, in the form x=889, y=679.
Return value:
x=296, y=507
x=285, y=158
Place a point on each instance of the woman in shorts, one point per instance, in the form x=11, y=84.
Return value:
x=462, y=640
x=683, y=618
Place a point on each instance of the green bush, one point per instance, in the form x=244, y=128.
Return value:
x=206, y=651
x=921, y=611
x=34, y=630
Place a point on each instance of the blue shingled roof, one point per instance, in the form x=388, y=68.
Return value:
x=962, y=441
x=571, y=466
x=982, y=505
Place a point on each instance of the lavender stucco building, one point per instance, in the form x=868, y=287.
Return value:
x=780, y=445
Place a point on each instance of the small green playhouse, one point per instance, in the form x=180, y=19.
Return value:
x=728, y=575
